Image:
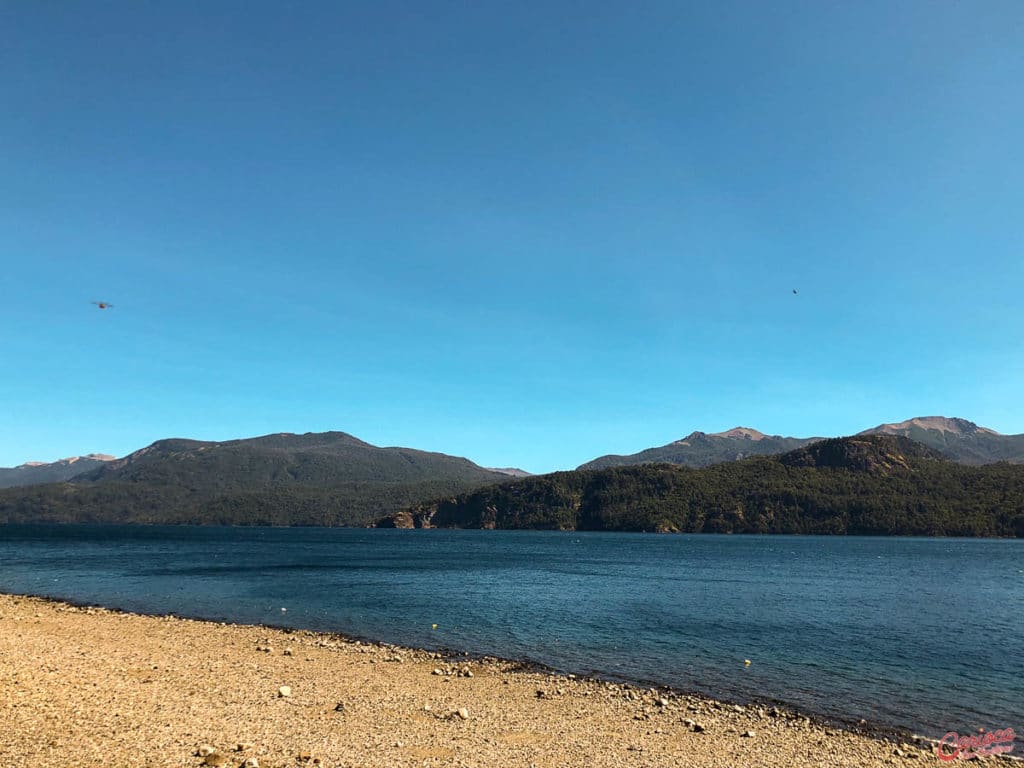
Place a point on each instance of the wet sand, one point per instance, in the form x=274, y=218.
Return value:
x=91, y=687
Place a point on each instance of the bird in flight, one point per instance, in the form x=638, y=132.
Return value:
x=794, y=290
x=103, y=304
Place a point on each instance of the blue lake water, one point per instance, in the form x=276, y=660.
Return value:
x=925, y=634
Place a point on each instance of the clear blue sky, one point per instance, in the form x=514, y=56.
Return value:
x=527, y=233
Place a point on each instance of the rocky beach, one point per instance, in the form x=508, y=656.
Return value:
x=86, y=686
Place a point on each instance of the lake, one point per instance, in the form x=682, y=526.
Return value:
x=923, y=634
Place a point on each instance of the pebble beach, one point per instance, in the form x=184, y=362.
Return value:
x=85, y=686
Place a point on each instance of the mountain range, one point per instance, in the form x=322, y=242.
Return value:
x=958, y=439
x=335, y=479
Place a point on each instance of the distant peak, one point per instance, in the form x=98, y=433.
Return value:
x=68, y=460
x=511, y=471
x=745, y=433
x=741, y=433
x=954, y=426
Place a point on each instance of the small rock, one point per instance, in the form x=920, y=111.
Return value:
x=287, y=652
x=284, y=691
x=243, y=746
x=339, y=707
x=252, y=762
x=437, y=671
x=204, y=750
x=748, y=734
x=215, y=758
x=662, y=702
x=463, y=713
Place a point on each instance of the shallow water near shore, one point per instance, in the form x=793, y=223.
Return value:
x=923, y=634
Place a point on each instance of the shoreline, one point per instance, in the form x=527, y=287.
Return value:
x=869, y=728
x=872, y=729
x=181, y=683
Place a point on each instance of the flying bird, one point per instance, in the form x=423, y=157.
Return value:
x=103, y=304
x=794, y=290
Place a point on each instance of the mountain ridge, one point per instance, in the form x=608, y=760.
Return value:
x=954, y=425
x=959, y=439
x=34, y=472
x=329, y=478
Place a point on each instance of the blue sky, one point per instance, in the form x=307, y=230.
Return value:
x=526, y=233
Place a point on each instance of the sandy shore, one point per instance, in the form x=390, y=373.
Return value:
x=90, y=687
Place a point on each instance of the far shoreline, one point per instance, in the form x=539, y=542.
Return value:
x=667, y=534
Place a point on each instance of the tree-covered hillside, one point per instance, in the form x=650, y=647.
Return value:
x=861, y=485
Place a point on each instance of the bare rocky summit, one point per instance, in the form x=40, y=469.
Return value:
x=959, y=439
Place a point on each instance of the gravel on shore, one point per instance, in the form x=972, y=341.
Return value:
x=91, y=687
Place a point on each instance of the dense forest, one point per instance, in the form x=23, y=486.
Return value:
x=865, y=485
x=356, y=504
